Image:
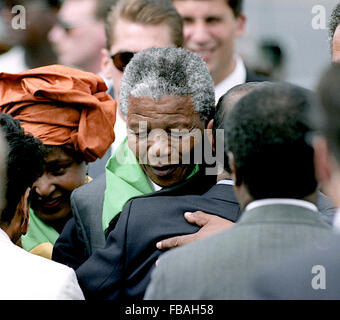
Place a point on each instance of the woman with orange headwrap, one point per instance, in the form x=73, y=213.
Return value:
x=71, y=113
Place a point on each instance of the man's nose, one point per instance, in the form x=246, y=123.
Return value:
x=159, y=146
x=199, y=33
x=44, y=186
x=55, y=35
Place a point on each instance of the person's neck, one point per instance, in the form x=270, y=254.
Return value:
x=223, y=73
x=93, y=67
x=245, y=198
x=224, y=176
x=39, y=54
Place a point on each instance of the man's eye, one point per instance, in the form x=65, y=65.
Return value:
x=212, y=20
x=187, y=20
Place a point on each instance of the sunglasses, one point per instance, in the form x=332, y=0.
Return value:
x=121, y=59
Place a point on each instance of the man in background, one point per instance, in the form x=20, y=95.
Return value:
x=79, y=35
x=211, y=28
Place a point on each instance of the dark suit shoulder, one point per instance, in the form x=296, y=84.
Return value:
x=251, y=76
x=94, y=188
x=69, y=248
x=87, y=207
x=223, y=192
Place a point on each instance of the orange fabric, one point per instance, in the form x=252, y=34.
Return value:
x=61, y=105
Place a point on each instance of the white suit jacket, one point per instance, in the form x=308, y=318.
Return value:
x=25, y=276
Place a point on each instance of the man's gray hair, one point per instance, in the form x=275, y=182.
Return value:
x=159, y=72
x=333, y=23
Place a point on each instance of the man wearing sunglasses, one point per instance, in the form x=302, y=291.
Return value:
x=78, y=35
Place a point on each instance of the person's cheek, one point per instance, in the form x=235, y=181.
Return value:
x=74, y=178
x=138, y=145
x=191, y=143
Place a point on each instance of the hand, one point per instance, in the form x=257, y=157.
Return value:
x=209, y=224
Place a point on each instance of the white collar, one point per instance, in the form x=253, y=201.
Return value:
x=155, y=186
x=225, y=181
x=4, y=236
x=336, y=221
x=238, y=76
x=295, y=202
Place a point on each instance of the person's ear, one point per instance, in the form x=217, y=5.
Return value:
x=106, y=64
x=25, y=211
x=241, y=25
x=210, y=134
x=322, y=160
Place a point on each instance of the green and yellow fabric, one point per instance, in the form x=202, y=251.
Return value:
x=124, y=179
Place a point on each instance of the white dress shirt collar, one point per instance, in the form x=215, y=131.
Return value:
x=336, y=221
x=238, y=76
x=226, y=181
x=155, y=186
x=295, y=202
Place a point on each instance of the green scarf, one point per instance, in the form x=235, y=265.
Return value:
x=38, y=233
x=125, y=179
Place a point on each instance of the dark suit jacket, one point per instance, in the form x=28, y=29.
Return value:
x=83, y=234
x=253, y=77
x=122, y=269
x=292, y=278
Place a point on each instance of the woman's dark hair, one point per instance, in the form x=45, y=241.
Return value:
x=24, y=163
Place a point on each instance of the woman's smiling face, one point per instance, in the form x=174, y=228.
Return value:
x=51, y=192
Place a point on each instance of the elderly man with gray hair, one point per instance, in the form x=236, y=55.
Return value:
x=167, y=95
